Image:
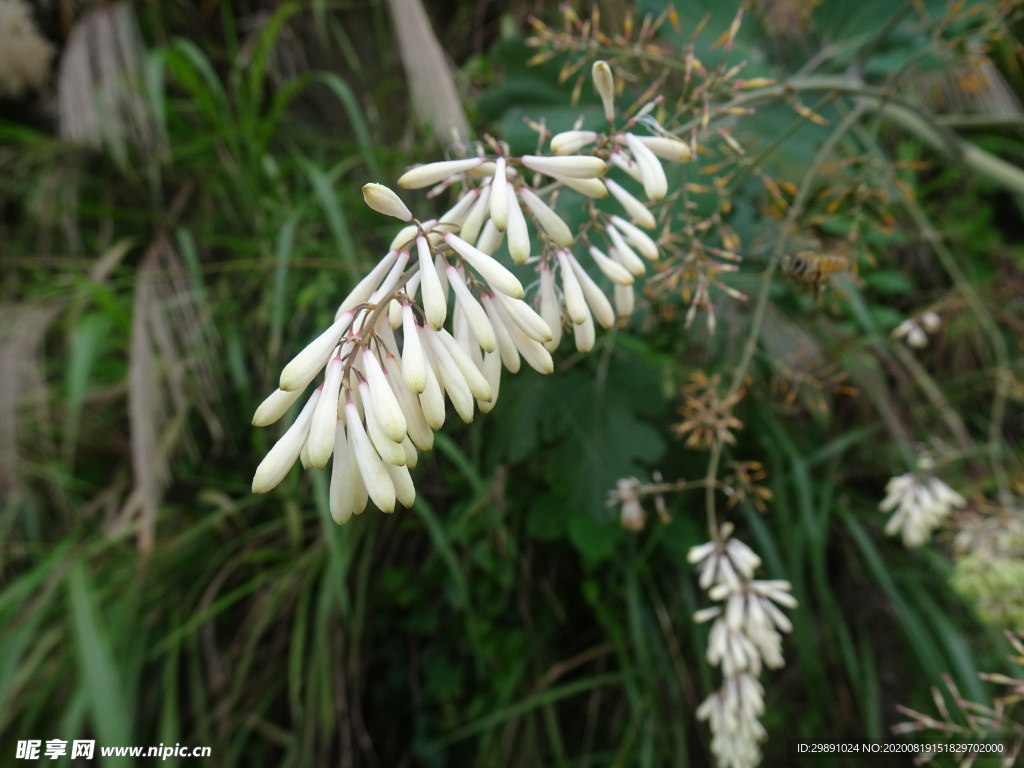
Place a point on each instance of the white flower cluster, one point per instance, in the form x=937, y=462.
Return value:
x=744, y=638
x=916, y=331
x=389, y=359
x=921, y=505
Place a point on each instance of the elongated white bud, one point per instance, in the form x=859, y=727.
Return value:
x=406, y=235
x=390, y=452
x=637, y=238
x=490, y=239
x=571, y=166
x=536, y=356
x=387, y=285
x=570, y=142
x=457, y=214
x=475, y=315
x=478, y=214
x=282, y=456
x=625, y=300
x=651, y=172
x=627, y=164
x=435, y=302
x=432, y=397
x=478, y=385
x=420, y=433
x=384, y=200
x=584, y=334
x=385, y=405
x=623, y=253
x=375, y=477
x=359, y=494
x=411, y=457
x=368, y=284
x=395, y=312
x=525, y=317
x=636, y=210
x=274, y=407
x=518, y=234
x=550, y=307
x=405, y=491
x=320, y=443
x=599, y=304
x=604, y=84
x=414, y=364
x=310, y=361
x=449, y=375
x=594, y=188
x=492, y=372
x=341, y=497
x=494, y=274
x=499, y=196
x=549, y=221
x=612, y=269
x=432, y=173
x=575, y=304
x=673, y=150
x=506, y=346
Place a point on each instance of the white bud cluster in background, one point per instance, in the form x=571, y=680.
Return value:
x=921, y=504
x=745, y=637
x=440, y=315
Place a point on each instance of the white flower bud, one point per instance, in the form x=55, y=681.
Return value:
x=653, y=175
x=494, y=274
x=604, y=84
x=403, y=240
x=637, y=211
x=414, y=363
x=420, y=433
x=594, y=188
x=518, y=234
x=385, y=405
x=627, y=164
x=673, y=150
x=550, y=307
x=320, y=443
x=411, y=457
x=575, y=304
x=384, y=200
x=612, y=269
x=432, y=398
x=637, y=238
x=405, y=491
x=571, y=166
x=625, y=299
x=570, y=142
x=435, y=300
x=499, y=196
x=621, y=251
x=310, y=361
x=536, y=356
x=506, y=346
x=387, y=285
x=550, y=222
x=274, y=407
x=390, y=452
x=479, y=213
x=930, y=320
x=523, y=315
x=599, y=304
x=457, y=214
x=490, y=239
x=374, y=475
x=491, y=372
x=474, y=379
x=432, y=173
x=449, y=375
x=368, y=284
x=282, y=456
x=475, y=315
x=584, y=334
x=341, y=496
x=917, y=337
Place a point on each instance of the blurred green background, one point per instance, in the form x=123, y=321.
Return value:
x=180, y=212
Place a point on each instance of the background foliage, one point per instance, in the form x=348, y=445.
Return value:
x=154, y=282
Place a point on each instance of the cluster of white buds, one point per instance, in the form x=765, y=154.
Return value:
x=916, y=330
x=921, y=504
x=745, y=637
x=397, y=347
